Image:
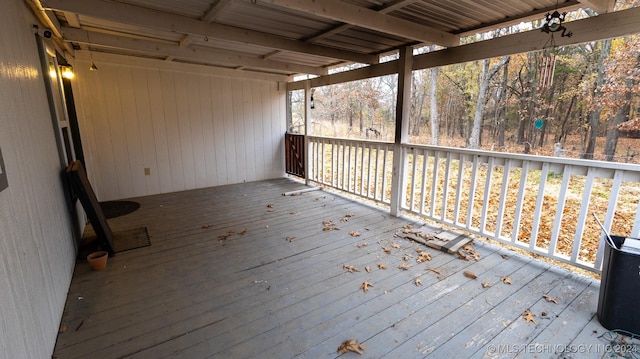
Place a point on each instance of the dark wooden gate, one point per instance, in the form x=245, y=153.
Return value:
x=294, y=149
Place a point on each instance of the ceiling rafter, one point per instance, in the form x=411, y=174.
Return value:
x=599, y=6
x=175, y=51
x=135, y=15
x=370, y=19
x=384, y=9
x=610, y=25
x=208, y=17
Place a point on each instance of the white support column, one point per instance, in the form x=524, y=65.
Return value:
x=398, y=178
x=307, y=131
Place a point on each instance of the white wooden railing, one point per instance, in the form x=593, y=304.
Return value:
x=541, y=204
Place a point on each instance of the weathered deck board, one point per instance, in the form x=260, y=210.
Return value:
x=256, y=294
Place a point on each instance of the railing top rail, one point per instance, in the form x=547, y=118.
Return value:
x=532, y=158
x=373, y=142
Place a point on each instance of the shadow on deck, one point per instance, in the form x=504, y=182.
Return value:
x=276, y=287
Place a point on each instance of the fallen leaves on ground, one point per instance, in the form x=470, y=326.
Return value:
x=346, y=217
x=424, y=256
x=365, y=286
x=350, y=268
x=362, y=244
x=506, y=280
x=504, y=256
x=386, y=250
x=529, y=317
x=270, y=208
x=486, y=284
x=417, y=282
x=351, y=345
x=406, y=257
x=404, y=266
x=368, y=269
x=550, y=299
x=470, y=274
x=434, y=270
x=395, y=245
x=329, y=226
x=226, y=235
x=468, y=253
x=294, y=213
x=382, y=266
x=243, y=232
x=290, y=239
x=354, y=234
x=206, y=226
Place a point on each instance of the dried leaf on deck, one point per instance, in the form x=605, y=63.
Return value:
x=386, y=250
x=346, y=217
x=406, y=257
x=395, y=245
x=470, y=274
x=270, y=205
x=226, y=235
x=205, y=226
x=350, y=268
x=290, y=239
x=294, y=213
x=404, y=266
x=362, y=244
x=417, y=282
x=468, y=253
x=368, y=269
x=244, y=231
x=351, y=346
x=354, y=234
x=329, y=225
x=434, y=271
x=424, y=256
x=506, y=280
x=550, y=299
x=365, y=286
x=382, y=266
x=529, y=317
x=486, y=284
x=504, y=256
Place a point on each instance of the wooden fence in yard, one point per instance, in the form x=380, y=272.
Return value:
x=538, y=203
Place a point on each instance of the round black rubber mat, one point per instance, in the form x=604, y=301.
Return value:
x=113, y=209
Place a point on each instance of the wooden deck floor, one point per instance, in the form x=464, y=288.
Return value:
x=256, y=294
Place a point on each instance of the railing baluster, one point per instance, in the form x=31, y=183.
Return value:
x=425, y=178
x=472, y=191
x=384, y=174
x=413, y=178
x=461, y=163
x=503, y=198
x=555, y=232
x=538, y=209
x=611, y=211
x=582, y=217
x=486, y=196
x=522, y=189
x=434, y=183
x=445, y=189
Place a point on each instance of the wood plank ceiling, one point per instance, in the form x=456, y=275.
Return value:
x=281, y=36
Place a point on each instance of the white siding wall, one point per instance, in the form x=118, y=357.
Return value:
x=36, y=246
x=192, y=128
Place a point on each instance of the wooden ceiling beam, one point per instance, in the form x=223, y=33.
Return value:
x=370, y=19
x=599, y=6
x=139, y=16
x=601, y=27
x=174, y=51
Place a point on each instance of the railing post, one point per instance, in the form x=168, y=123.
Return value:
x=398, y=178
x=307, y=131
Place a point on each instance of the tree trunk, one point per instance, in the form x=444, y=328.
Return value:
x=622, y=115
x=474, y=139
x=594, y=115
x=433, y=108
x=502, y=116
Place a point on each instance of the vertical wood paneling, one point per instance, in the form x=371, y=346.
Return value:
x=168, y=102
x=36, y=243
x=161, y=151
x=191, y=129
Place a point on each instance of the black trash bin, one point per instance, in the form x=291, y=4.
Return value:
x=619, y=299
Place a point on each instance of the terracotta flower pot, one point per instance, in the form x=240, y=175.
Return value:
x=98, y=260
